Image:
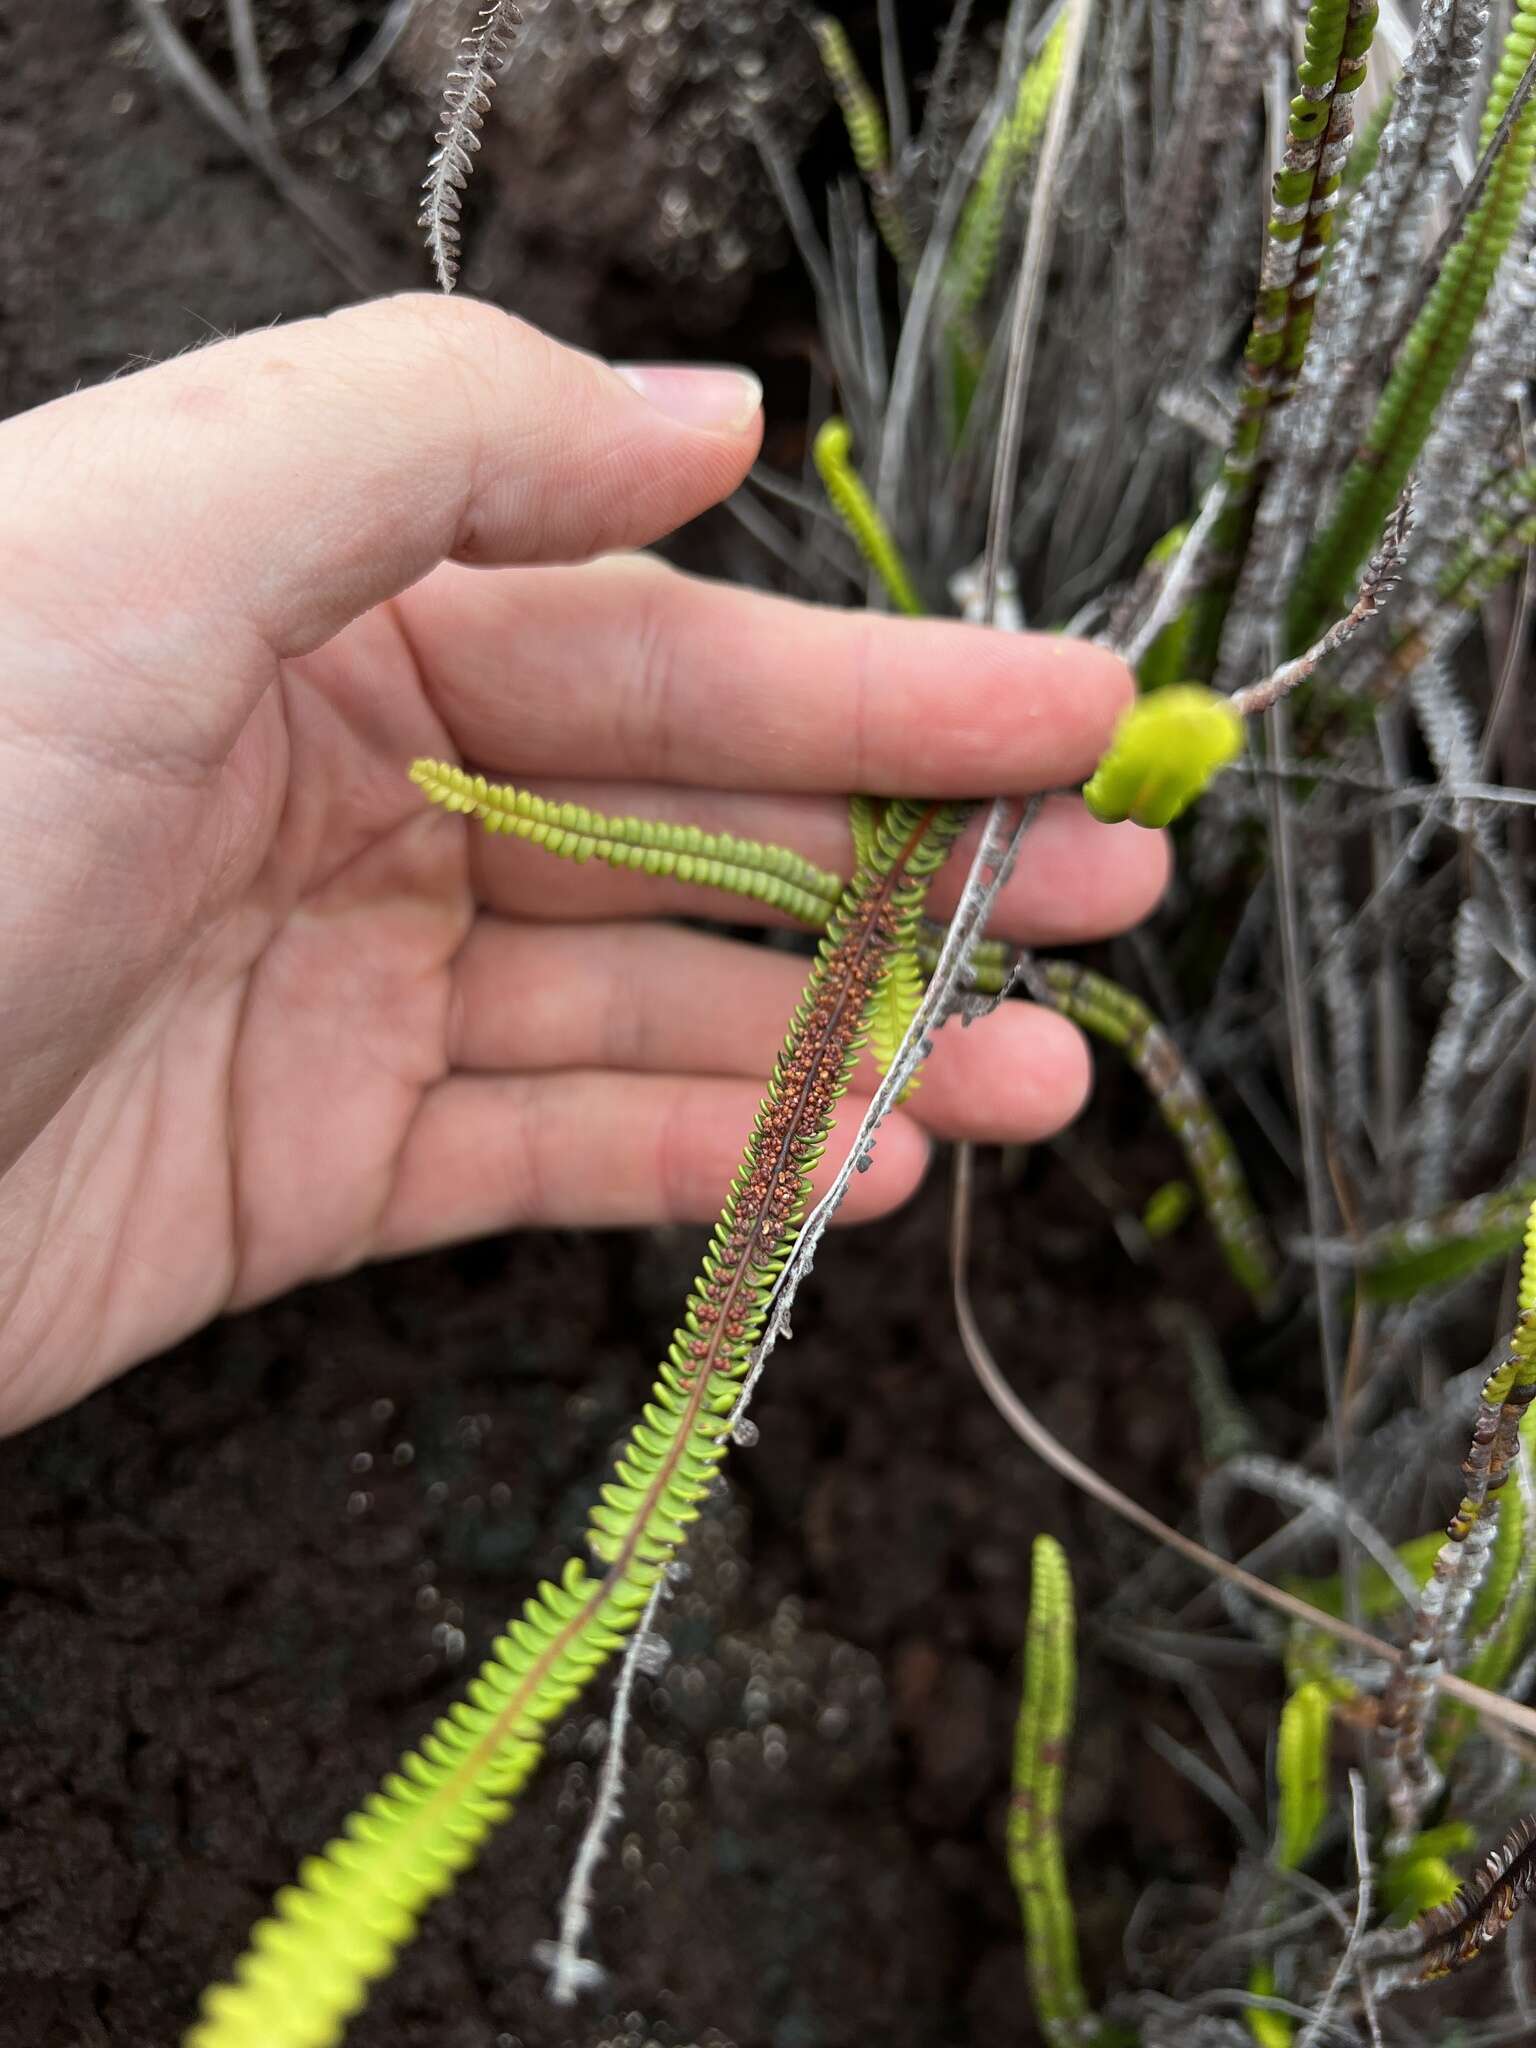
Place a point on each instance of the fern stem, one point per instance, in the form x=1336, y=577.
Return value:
x=1121, y=1019
x=309, y=1965
x=1499, y=1621
x=1301, y=228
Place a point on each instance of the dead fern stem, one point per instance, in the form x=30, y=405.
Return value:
x=466, y=100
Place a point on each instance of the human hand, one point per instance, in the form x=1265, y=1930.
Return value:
x=267, y=1015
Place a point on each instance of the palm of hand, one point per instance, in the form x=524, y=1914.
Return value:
x=269, y=1015
x=244, y=1129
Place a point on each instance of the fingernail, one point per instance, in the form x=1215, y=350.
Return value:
x=719, y=399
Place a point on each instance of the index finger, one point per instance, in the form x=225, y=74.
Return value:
x=289, y=480
x=628, y=670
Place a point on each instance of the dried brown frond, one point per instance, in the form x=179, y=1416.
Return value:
x=1457, y=1933
x=1381, y=574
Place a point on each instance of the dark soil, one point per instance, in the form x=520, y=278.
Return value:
x=235, y=1585
x=240, y=1580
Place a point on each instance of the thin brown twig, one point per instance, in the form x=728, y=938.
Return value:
x=1491, y=1707
x=255, y=87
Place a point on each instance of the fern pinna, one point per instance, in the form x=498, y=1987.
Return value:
x=774, y=875
x=329, y=1936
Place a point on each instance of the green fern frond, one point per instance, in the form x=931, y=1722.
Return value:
x=1495, y=1453
x=331, y=1934
x=850, y=500
x=900, y=992
x=868, y=138
x=973, y=259
x=1302, y=223
x=1301, y=1783
x=1035, y=1860
x=1122, y=1020
x=1408, y=1258
x=861, y=112
x=1500, y=1619
x=1504, y=1559
x=1301, y=1773
x=863, y=823
x=310, y=1963
x=774, y=875
x=1430, y=356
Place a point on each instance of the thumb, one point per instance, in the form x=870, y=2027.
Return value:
x=291, y=479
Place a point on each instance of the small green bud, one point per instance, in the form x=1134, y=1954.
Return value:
x=1165, y=750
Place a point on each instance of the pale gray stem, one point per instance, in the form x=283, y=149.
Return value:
x=1001, y=837
x=1171, y=596
x=1029, y=293
x=255, y=88
x=569, y=1971
x=339, y=242
x=1364, y=1892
